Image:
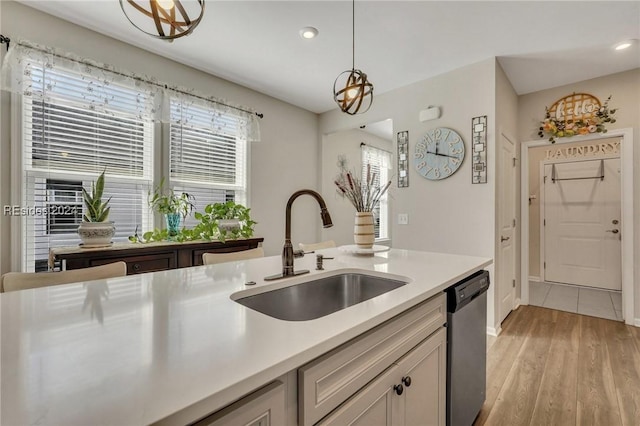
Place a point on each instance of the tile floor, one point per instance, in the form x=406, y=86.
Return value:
x=581, y=300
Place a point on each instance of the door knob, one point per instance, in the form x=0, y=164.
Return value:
x=615, y=231
x=503, y=239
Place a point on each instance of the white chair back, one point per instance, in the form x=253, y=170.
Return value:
x=13, y=281
x=317, y=246
x=213, y=258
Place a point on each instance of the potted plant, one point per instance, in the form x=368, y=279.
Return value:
x=365, y=194
x=224, y=221
x=175, y=207
x=95, y=230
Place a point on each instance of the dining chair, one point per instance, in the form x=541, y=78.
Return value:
x=12, y=281
x=213, y=258
x=317, y=246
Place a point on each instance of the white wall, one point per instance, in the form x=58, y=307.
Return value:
x=624, y=89
x=452, y=215
x=345, y=143
x=283, y=162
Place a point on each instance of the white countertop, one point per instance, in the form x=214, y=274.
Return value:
x=137, y=349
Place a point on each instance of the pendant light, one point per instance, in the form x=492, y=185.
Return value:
x=351, y=90
x=164, y=19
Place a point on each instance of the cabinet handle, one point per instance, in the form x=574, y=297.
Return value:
x=399, y=389
x=406, y=381
x=136, y=267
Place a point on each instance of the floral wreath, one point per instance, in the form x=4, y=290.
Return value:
x=554, y=128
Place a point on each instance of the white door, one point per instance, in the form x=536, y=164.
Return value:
x=582, y=224
x=506, y=210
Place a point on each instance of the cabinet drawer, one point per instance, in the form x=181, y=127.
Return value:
x=264, y=407
x=142, y=264
x=326, y=382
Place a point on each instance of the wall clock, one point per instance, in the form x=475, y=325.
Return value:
x=439, y=153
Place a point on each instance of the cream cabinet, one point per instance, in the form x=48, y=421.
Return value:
x=353, y=384
x=264, y=407
x=411, y=392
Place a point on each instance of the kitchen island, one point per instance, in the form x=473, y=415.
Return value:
x=172, y=346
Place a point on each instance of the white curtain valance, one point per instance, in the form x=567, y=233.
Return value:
x=30, y=70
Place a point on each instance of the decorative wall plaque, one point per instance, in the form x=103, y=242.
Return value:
x=576, y=114
x=403, y=159
x=479, y=149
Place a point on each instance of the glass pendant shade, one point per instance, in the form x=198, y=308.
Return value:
x=164, y=19
x=353, y=92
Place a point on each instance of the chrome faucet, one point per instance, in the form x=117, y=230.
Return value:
x=288, y=253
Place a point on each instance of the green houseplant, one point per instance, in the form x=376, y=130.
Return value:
x=95, y=230
x=224, y=221
x=175, y=207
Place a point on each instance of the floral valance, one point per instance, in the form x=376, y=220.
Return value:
x=34, y=71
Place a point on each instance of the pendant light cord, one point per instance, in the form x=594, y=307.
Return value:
x=353, y=34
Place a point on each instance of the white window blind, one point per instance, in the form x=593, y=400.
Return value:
x=66, y=145
x=378, y=161
x=208, y=154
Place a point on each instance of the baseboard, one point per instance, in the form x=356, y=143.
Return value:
x=491, y=331
x=517, y=303
x=536, y=279
x=636, y=322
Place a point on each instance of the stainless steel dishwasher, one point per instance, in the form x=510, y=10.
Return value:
x=466, y=348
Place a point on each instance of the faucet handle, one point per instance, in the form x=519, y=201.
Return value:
x=298, y=253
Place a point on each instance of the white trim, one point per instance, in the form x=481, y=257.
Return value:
x=636, y=322
x=534, y=278
x=517, y=303
x=17, y=223
x=491, y=331
x=626, y=161
x=542, y=236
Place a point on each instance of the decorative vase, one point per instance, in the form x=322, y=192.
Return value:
x=173, y=224
x=96, y=234
x=363, y=232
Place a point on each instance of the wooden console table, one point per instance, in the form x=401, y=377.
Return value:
x=147, y=257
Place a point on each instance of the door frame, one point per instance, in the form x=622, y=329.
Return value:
x=627, y=218
x=543, y=198
x=514, y=232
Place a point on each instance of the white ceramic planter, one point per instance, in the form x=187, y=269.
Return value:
x=96, y=234
x=363, y=232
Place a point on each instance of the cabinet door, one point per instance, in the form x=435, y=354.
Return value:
x=425, y=367
x=377, y=404
x=264, y=407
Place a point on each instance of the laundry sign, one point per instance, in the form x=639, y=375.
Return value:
x=593, y=150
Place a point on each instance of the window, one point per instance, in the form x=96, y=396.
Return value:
x=207, y=154
x=78, y=120
x=63, y=206
x=378, y=163
x=66, y=145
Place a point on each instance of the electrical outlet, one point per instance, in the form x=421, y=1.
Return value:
x=403, y=219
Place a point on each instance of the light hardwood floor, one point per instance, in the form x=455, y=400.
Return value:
x=550, y=367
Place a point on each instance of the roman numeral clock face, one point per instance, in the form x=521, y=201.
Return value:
x=439, y=153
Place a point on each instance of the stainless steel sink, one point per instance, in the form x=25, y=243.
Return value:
x=317, y=298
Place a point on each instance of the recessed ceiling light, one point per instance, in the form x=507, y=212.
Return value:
x=623, y=45
x=308, y=32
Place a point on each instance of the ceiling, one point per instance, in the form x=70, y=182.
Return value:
x=256, y=43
